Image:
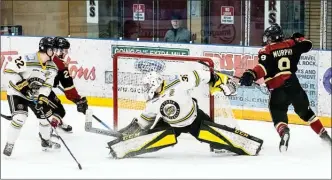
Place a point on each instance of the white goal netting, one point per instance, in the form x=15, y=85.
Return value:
x=129, y=98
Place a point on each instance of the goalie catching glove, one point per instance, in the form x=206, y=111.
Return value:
x=222, y=83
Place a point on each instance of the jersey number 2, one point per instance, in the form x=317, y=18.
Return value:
x=19, y=62
x=66, y=74
x=284, y=63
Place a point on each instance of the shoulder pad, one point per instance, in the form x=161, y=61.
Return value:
x=263, y=50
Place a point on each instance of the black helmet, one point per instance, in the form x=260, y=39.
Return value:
x=273, y=33
x=61, y=43
x=46, y=43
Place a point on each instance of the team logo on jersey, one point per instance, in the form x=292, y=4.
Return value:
x=170, y=109
x=47, y=73
x=145, y=65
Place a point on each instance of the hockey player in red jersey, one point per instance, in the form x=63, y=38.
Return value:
x=278, y=61
x=62, y=46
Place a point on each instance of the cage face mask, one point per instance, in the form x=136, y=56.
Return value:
x=151, y=82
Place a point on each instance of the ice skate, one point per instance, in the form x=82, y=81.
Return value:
x=283, y=146
x=8, y=149
x=48, y=144
x=326, y=138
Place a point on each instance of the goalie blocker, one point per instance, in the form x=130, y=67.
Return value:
x=135, y=141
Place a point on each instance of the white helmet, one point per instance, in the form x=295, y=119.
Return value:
x=151, y=82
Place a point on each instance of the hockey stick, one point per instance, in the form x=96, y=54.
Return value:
x=235, y=77
x=89, y=128
x=9, y=118
x=259, y=86
x=95, y=117
x=63, y=142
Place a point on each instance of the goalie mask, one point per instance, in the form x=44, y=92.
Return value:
x=151, y=82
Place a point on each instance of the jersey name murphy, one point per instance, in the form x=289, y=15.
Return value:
x=282, y=52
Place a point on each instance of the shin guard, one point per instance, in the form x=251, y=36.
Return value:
x=141, y=142
x=224, y=137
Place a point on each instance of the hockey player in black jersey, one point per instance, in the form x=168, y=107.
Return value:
x=278, y=61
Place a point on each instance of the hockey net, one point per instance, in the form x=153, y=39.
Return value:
x=129, y=98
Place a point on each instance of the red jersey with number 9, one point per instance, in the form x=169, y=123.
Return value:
x=278, y=61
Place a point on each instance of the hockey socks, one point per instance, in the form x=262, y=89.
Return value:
x=317, y=126
x=281, y=127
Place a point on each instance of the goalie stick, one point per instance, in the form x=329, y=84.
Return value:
x=95, y=117
x=88, y=126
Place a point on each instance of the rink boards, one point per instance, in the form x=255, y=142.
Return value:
x=90, y=64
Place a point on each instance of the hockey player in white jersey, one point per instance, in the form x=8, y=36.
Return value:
x=170, y=111
x=31, y=76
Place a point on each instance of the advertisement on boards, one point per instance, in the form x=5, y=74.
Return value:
x=149, y=50
x=324, y=84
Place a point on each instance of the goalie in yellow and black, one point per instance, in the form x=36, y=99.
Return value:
x=170, y=110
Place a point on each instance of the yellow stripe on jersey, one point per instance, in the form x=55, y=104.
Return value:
x=9, y=71
x=15, y=87
x=172, y=84
x=278, y=74
x=147, y=118
x=43, y=67
x=13, y=123
x=197, y=81
x=47, y=85
x=186, y=117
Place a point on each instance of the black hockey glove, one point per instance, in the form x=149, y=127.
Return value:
x=247, y=78
x=82, y=105
x=23, y=87
x=43, y=105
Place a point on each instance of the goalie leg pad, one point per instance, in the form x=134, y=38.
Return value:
x=223, y=137
x=130, y=145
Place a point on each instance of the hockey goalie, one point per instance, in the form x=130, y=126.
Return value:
x=170, y=110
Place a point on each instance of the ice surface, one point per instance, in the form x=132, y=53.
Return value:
x=307, y=156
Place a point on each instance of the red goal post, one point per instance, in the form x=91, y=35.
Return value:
x=121, y=56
